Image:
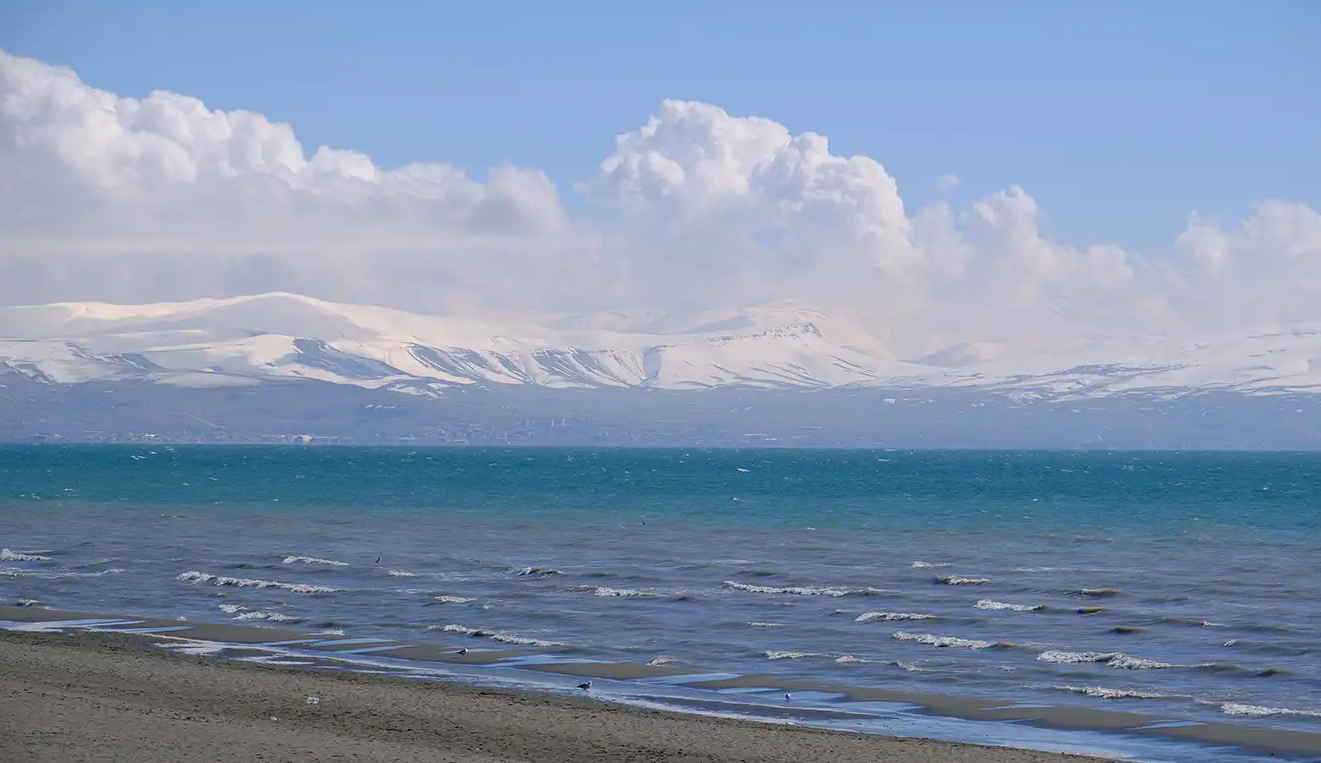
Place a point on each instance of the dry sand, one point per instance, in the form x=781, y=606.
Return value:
x=111, y=697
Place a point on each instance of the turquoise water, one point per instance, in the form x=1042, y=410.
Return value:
x=1179, y=583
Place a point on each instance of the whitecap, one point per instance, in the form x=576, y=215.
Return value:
x=1001, y=605
x=1238, y=708
x=766, y=625
x=867, y=617
x=1111, y=659
x=231, y=609
x=221, y=580
x=402, y=574
x=956, y=580
x=502, y=637
x=942, y=641
x=1102, y=692
x=789, y=590
x=454, y=600
x=849, y=659
x=776, y=655
x=929, y=565
x=274, y=617
x=536, y=572
x=662, y=659
x=616, y=592
x=314, y=560
x=18, y=556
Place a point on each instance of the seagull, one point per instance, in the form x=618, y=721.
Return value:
x=464, y=650
x=787, y=696
x=585, y=686
x=378, y=560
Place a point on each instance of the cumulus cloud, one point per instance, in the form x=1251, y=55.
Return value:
x=947, y=182
x=160, y=198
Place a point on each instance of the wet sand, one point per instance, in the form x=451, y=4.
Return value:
x=112, y=697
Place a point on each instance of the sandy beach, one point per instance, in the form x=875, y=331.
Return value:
x=112, y=697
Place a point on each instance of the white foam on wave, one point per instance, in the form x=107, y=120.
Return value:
x=849, y=659
x=18, y=556
x=1238, y=708
x=501, y=636
x=274, y=617
x=787, y=590
x=19, y=572
x=929, y=565
x=402, y=574
x=193, y=576
x=601, y=590
x=1111, y=659
x=454, y=600
x=232, y=609
x=943, y=642
x=991, y=604
x=661, y=659
x=535, y=572
x=757, y=624
x=1102, y=692
x=956, y=580
x=867, y=617
x=314, y=560
x=777, y=655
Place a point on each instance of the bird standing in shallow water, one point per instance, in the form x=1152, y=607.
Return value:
x=585, y=686
x=787, y=696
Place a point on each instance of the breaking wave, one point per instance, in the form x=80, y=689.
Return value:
x=956, y=580
x=1110, y=659
x=454, y=600
x=1238, y=708
x=274, y=617
x=766, y=625
x=802, y=590
x=221, y=580
x=619, y=592
x=18, y=556
x=1005, y=606
x=534, y=572
x=928, y=565
x=500, y=636
x=314, y=560
x=402, y=574
x=943, y=642
x=867, y=617
x=773, y=655
x=1105, y=693
x=662, y=659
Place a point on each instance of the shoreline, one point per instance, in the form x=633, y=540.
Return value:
x=94, y=697
x=700, y=696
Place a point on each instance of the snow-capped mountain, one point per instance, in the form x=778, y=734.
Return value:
x=249, y=340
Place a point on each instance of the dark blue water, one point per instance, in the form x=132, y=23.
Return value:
x=1180, y=583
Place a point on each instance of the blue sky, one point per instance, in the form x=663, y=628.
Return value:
x=1119, y=117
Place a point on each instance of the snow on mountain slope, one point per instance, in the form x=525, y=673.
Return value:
x=248, y=340
x=284, y=335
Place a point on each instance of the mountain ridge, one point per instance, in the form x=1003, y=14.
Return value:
x=258, y=338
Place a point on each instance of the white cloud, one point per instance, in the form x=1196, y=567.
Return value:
x=124, y=199
x=947, y=182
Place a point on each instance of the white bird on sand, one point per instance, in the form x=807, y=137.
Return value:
x=585, y=686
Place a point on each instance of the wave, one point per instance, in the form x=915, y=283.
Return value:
x=868, y=617
x=501, y=636
x=221, y=580
x=231, y=609
x=402, y=574
x=1238, y=708
x=1111, y=659
x=773, y=655
x=803, y=590
x=1105, y=693
x=1005, y=606
x=534, y=572
x=928, y=565
x=766, y=625
x=619, y=592
x=943, y=642
x=18, y=556
x=314, y=560
x=454, y=600
x=19, y=572
x=661, y=659
x=956, y=580
x=274, y=617
x=1196, y=622
x=849, y=659
x=1093, y=593
x=1270, y=647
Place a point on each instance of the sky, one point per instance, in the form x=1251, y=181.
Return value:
x=947, y=171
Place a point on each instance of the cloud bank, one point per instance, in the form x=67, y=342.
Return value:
x=122, y=199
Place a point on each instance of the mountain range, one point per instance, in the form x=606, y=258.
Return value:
x=285, y=337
